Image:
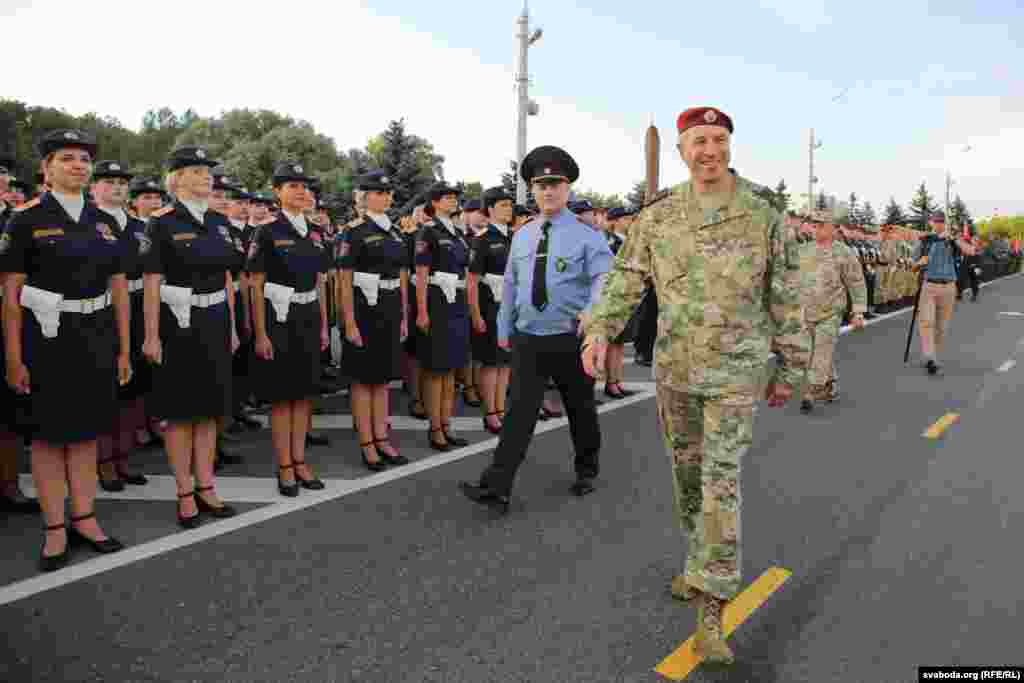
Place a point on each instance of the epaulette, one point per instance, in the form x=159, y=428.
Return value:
x=657, y=198
x=162, y=212
x=28, y=205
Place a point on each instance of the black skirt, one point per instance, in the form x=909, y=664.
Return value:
x=485, y=346
x=142, y=371
x=294, y=373
x=73, y=376
x=13, y=407
x=446, y=346
x=194, y=382
x=380, y=359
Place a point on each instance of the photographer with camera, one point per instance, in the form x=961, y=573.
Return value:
x=938, y=254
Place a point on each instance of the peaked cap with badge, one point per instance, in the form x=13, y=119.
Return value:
x=473, y=205
x=581, y=206
x=63, y=138
x=144, y=185
x=494, y=195
x=290, y=171
x=442, y=189
x=374, y=181
x=111, y=169
x=190, y=155
x=548, y=163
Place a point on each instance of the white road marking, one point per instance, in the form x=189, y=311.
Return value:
x=162, y=487
x=336, y=489
x=1016, y=314
x=1007, y=365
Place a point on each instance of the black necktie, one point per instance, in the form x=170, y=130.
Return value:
x=540, y=267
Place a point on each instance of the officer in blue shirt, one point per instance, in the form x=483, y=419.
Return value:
x=556, y=270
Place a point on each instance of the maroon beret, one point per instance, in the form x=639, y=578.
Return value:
x=703, y=116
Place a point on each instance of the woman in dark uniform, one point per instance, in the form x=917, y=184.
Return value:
x=414, y=373
x=67, y=346
x=286, y=267
x=374, y=280
x=186, y=258
x=110, y=188
x=442, y=317
x=488, y=256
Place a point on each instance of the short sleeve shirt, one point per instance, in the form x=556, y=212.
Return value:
x=441, y=250
x=488, y=253
x=369, y=248
x=287, y=258
x=187, y=253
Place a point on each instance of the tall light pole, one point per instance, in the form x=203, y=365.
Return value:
x=950, y=181
x=810, y=174
x=526, y=107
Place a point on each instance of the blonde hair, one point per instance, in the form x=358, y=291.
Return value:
x=171, y=182
x=359, y=199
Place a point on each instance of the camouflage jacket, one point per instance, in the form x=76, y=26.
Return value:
x=838, y=272
x=730, y=286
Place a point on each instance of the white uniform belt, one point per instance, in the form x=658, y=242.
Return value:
x=391, y=284
x=134, y=285
x=459, y=284
x=305, y=297
x=85, y=305
x=207, y=300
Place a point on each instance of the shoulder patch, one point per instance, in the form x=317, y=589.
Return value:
x=657, y=198
x=162, y=212
x=28, y=205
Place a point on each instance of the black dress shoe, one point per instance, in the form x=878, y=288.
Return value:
x=133, y=479
x=378, y=466
x=107, y=545
x=806, y=407
x=284, y=488
x=644, y=360
x=51, y=563
x=456, y=441
x=188, y=522
x=111, y=485
x=220, y=512
x=19, y=502
x=393, y=460
x=484, y=496
x=932, y=366
x=582, y=486
x=313, y=484
x=316, y=439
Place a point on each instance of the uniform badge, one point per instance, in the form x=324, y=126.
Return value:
x=343, y=252
x=710, y=116
x=298, y=169
x=200, y=154
x=254, y=248
x=561, y=264
x=224, y=233
x=71, y=135
x=5, y=242
x=421, y=247
x=145, y=244
x=472, y=254
x=239, y=246
x=115, y=167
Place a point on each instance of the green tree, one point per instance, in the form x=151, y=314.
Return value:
x=638, y=194
x=958, y=212
x=922, y=206
x=410, y=161
x=473, y=190
x=853, y=212
x=868, y=215
x=782, y=198
x=822, y=203
x=894, y=213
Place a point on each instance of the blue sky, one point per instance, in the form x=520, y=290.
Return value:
x=922, y=81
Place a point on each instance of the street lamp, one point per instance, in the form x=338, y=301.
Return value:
x=526, y=106
x=812, y=179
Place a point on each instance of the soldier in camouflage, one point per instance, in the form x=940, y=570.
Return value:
x=838, y=273
x=730, y=283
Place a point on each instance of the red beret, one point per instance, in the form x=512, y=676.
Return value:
x=703, y=116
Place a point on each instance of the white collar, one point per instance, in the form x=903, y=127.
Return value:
x=119, y=215
x=197, y=208
x=447, y=223
x=238, y=224
x=503, y=229
x=298, y=222
x=380, y=219
x=74, y=204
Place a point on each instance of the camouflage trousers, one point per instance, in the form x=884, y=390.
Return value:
x=821, y=373
x=706, y=439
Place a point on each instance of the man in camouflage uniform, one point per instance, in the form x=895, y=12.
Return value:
x=730, y=285
x=838, y=273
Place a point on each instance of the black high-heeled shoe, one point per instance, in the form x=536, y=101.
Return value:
x=418, y=414
x=129, y=478
x=475, y=403
x=107, y=545
x=396, y=460
x=435, y=445
x=51, y=563
x=488, y=426
x=313, y=484
x=188, y=522
x=290, y=490
x=111, y=485
x=221, y=511
x=378, y=466
x=456, y=441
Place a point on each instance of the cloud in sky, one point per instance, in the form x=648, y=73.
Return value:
x=600, y=73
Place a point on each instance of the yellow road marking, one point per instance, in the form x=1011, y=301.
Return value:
x=678, y=665
x=944, y=423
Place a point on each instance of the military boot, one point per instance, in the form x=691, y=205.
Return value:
x=709, y=641
x=682, y=590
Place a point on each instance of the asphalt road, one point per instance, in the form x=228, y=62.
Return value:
x=904, y=550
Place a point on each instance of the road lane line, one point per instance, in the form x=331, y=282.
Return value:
x=1007, y=365
x=678, y=665
x=339, y=488
x=941, y=425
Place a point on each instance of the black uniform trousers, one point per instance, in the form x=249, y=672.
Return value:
x=968, y=278
x=648, y=331
x=534, y=359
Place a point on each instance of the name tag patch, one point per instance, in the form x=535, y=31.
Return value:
x=47, y=232
x=284, y=243
x=181, y=236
